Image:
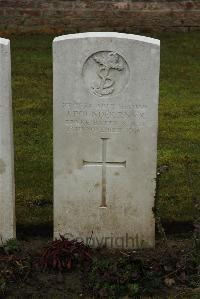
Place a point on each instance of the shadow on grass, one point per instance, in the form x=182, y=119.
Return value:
x=181, y=228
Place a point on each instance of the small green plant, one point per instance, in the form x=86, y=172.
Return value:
x=133, y=289
x=123, y=276
x=2, y=284
x=12, y=246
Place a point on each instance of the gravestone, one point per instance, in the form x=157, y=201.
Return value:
x=105, y=138
x=7, y=194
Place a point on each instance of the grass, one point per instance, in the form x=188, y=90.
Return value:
x=32, y=98
x=179, y=136
x=179, y=122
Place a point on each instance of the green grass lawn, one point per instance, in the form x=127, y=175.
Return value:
x=179, y=123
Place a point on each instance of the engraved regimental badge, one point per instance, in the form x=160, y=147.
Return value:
x=106, y=73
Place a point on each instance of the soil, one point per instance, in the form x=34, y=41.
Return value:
x=40, y=284
x=49, y=284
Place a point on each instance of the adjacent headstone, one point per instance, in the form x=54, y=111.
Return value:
x=105, y=134
x=7, y=194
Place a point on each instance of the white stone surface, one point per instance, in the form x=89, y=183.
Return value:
x=7, y=193
x=105, y=137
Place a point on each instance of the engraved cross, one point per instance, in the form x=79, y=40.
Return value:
x=104, y=164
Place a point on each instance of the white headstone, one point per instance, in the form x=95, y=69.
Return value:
x=7, y=193
x=105, y=137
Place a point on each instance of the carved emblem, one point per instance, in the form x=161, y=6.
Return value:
x=106, y=73
x=106, y=62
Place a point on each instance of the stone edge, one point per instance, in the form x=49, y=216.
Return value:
x=4, y=41
x=139, y=38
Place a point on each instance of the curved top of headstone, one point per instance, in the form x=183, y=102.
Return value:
x=139, y=38
x=4, y=41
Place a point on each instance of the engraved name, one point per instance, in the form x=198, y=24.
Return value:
x=113, y=118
